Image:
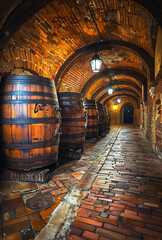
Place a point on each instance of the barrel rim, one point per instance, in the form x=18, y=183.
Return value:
x=23, y=77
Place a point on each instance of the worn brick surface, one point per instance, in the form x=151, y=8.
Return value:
x=128, y=197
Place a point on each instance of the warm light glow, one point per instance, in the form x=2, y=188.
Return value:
x=118, y=100
x=110, y=91
x=96, y=63
x=115, y=107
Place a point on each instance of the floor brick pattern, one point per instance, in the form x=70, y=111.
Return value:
x=17, y=221
x=125, y=200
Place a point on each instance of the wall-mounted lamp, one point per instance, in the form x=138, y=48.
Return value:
x=96, y=63
x=110, y=91
x=115, y=107
x=118, y=100
x=152, y=92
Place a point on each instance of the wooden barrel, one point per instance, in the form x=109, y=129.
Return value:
x=92, y=118
x=106, y=120
x=29, y=122
x=101, y=112
x=73, y=121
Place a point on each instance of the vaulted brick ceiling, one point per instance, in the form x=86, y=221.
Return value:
x=53, y=34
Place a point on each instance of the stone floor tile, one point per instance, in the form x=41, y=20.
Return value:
x=36, y=221
x=5, y=187
x=20, y=186
x=14, y=236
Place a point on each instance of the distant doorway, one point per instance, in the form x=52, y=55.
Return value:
x=128, y=114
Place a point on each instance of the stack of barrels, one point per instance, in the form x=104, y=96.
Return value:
x=36, y=125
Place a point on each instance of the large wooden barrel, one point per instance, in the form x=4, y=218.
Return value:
x=73, y=121
x=29, y=122
x=106, y=120
x=101, y=112
x=92, y=118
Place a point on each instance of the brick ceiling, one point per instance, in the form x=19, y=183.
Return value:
x=44, y=42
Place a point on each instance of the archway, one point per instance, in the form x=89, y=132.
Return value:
x=127, y=114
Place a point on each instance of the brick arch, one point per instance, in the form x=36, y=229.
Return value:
x=111, y=84
x=27, y=8
x=119, y=90
x=116, y=71
x=118, y=95
x=100, y=46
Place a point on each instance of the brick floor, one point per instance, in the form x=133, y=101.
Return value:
x=17, y=221
x=128, y=187
x=124, y=202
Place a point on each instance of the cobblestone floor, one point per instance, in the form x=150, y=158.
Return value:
x=17, y=221
x=120, y=181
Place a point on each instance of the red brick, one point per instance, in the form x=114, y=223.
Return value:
x=89, y=211
x=59, y=183
x=88, y=207
x=154, y=227
x=89, y=221
x=148, y=232
x=110, y=234
x=87, y=202
x=151, y=221
x=74, y=237
x=104, y=220
x=83, y=214
x=113, y=217
x=117, y=205
x=75, y=231
x=130, y=212
x=117, y=229
x=131, y=216
x=102, y=196
x=83, y=226
x=102, y=238
x=90, y=235
x=143, y=215
x=114, y=213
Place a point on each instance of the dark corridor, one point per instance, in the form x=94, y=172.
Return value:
x=128, y=113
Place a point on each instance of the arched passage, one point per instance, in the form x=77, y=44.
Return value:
x=127, y=114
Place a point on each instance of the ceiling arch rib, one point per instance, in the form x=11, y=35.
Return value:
x=111, y=84
x=121, y=95
x=100, y=46
x=118, y=90
x=116, y=71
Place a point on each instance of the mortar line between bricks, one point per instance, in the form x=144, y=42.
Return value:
x=115, y=135
x=72, y=202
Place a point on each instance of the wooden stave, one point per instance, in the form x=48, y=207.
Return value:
x=71, y=105
x=22, y=81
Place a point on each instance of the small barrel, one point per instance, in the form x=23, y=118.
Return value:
x=29, y=122
x=92, y=118
x=73, y=121
x=102, y=124
x=106, y=120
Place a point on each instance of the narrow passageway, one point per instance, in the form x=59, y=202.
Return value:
x=113, y=192
x=124, y=201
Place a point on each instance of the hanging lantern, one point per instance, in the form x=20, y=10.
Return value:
x=115, y=107
x=96, y=63
x=110, y=91
x=118, y=100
